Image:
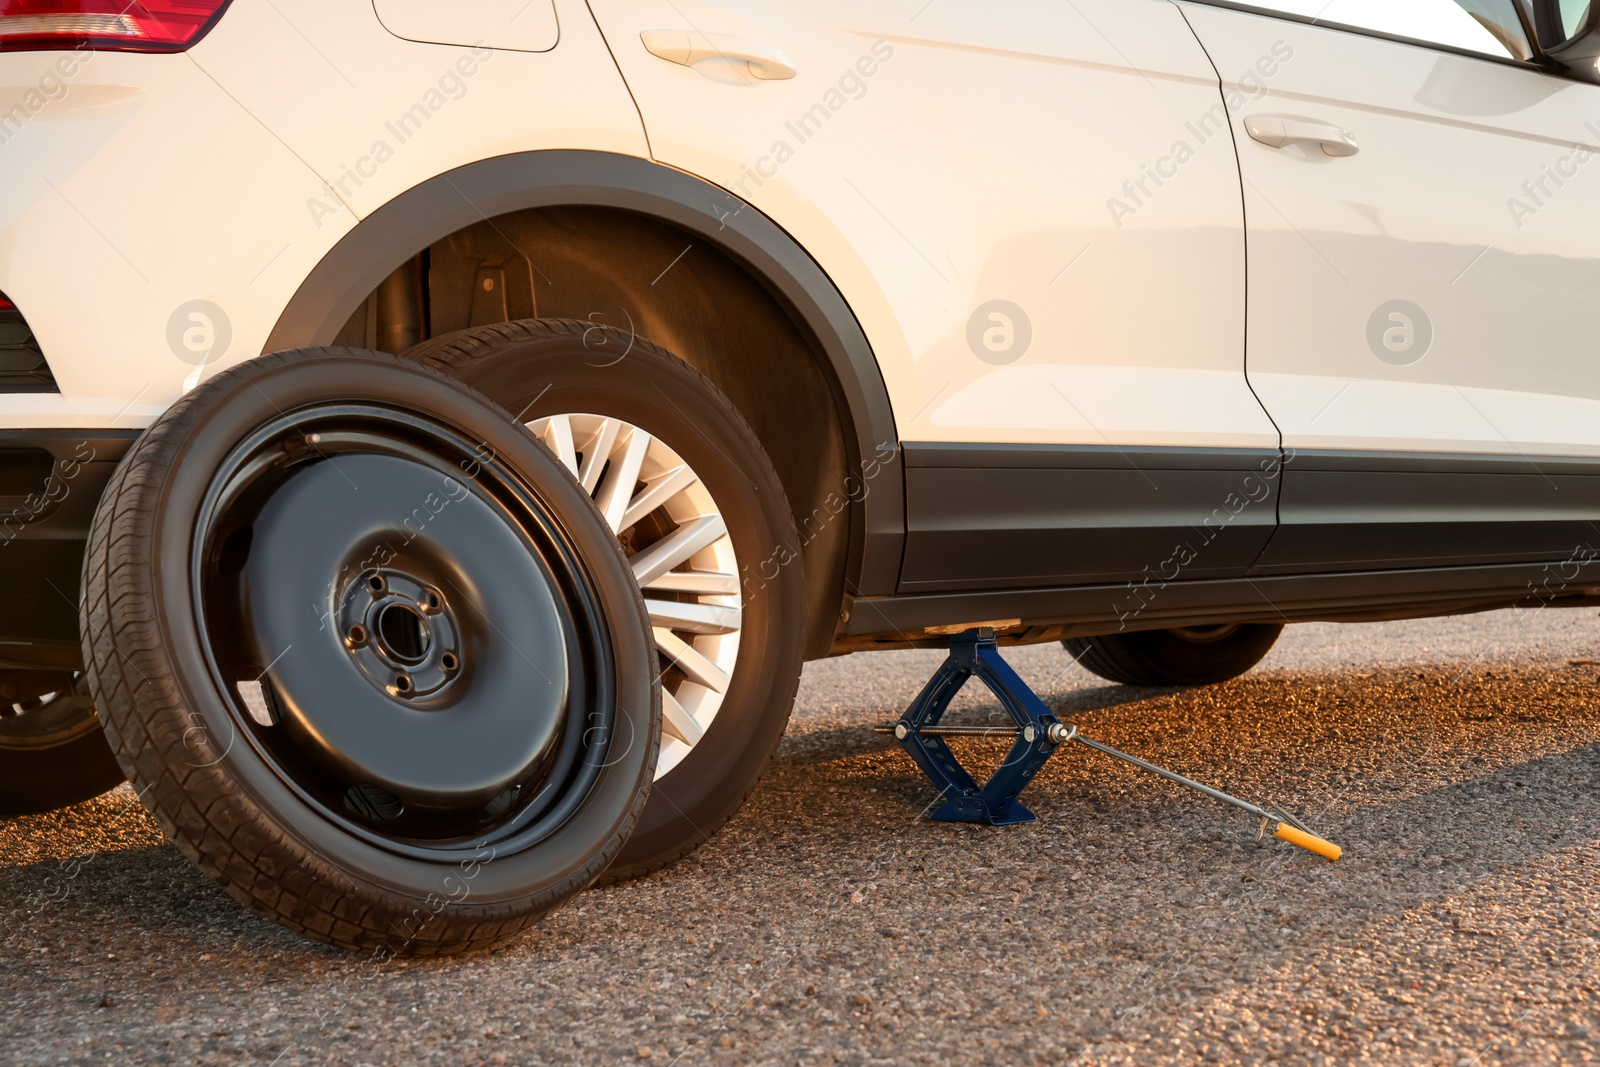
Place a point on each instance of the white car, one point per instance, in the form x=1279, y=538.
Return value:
x=432, y=436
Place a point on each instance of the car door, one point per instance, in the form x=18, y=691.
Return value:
x=1423, y=217
x=1029, y=210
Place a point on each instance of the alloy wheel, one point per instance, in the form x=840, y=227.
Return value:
x=682, y=557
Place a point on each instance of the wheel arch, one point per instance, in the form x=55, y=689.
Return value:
x=479, y=192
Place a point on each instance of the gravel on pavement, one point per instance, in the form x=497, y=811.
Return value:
x=1457, y=761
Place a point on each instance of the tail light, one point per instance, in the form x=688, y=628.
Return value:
x=108, y=25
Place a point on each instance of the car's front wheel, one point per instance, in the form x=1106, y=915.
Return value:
x=1196, y=655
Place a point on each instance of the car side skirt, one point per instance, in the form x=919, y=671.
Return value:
x=1342, y=511
x=1300, y=536
x=1353, y=596
x=1008, y=517
x=1095, y=539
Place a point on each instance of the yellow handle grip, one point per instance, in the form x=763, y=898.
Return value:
x=1309, y=842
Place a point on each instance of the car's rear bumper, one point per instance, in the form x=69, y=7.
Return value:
x=50, y=485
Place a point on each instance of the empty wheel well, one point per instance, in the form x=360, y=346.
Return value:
x=654, y=280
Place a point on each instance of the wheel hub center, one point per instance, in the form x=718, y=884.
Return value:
x=401, y=634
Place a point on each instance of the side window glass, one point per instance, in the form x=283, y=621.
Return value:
x=1572, y=16
x=1490, y=27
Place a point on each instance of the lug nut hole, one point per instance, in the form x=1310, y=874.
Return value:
x=431, y=601
x=358, y=635
x=449, y=662
x=376, y=583
x=402, y=683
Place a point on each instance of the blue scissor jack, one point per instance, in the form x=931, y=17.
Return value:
x=1038, y=734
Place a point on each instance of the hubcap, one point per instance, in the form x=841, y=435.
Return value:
x=416, y=652
x=682, y=558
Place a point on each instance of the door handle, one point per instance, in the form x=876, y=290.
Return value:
x=1281, y=131
x=681, y=46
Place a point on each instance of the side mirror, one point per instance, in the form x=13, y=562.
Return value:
x=1577, y=56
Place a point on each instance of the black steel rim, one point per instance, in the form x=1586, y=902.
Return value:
x=435, y=577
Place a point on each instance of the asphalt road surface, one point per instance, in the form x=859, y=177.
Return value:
x=1457, y=761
